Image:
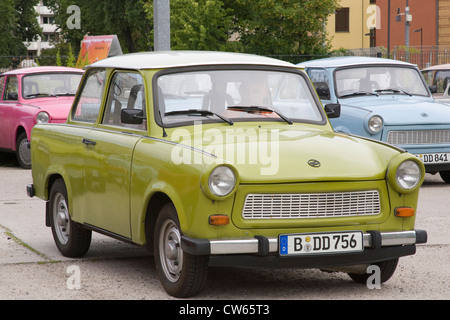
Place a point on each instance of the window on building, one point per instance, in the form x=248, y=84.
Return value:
x=343, y=20
x=48, y=20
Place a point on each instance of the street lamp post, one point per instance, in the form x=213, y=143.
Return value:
x=421, y=45
x=161, y=13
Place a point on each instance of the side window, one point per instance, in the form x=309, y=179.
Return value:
x=90, y=98
x=442, y=80
x=321, y=82
x=2, y=85
x=11, y=90
x=428, y=76
x=126, y=91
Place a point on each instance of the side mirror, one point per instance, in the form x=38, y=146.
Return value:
x=132, y=116
x=433, y=88
x=333, y=110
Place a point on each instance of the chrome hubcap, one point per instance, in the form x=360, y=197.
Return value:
x=24, y=152
x=170, y=251
x=61, y=219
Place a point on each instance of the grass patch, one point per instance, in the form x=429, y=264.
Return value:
x=11, y=236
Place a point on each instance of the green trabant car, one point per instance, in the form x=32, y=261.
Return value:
x=212, y=158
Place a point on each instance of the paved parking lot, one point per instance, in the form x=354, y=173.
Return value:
x=31, y=267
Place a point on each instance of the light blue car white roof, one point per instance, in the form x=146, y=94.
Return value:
x=349, y=61
x=169, y=59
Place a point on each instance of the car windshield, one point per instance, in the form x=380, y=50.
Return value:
x=50, y=85
x=377, y=80
x=235, y=95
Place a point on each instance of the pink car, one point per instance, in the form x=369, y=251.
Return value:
x=33, y=95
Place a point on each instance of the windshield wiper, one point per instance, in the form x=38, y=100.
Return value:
x=39, y=94
x=200, y=112
x=251, y=109
x=395, y=91
x=64, y=94
x=360, y=93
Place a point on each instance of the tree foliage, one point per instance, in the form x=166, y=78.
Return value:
x=197, y=24
x=125, y=18
x=282, y=27
x=17, y=25
x=266, y=27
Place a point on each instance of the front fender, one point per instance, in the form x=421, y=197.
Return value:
x=353, y=120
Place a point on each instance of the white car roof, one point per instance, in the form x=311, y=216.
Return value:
x=336, y=62
x=169, y=59
x=438, y=67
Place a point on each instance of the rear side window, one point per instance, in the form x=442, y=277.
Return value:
x=2, y=85
x=12, y=89
x=90, y=98
x=126, y=91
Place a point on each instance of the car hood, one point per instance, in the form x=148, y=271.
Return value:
x=58, y=108
x=290, y=154
x=402, y=110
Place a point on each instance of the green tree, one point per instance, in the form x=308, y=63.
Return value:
x=282, y=27
x=71, y=61
x=125, y=18
x=28, y=27
x=18, y=24
x=266, y=27
x=198, y=25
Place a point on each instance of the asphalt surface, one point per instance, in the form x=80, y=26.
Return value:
x=31, y=267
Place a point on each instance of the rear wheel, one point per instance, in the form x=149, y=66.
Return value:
x=181, y=274
x=71, y=239
x=387, y=269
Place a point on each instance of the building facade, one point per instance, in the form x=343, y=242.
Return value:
x=49, y=31
x=417, y=31
x=347, y=28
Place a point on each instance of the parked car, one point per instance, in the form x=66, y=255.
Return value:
x=437, y=78
x=212, y=158
x=33, y=95
x=389, y=101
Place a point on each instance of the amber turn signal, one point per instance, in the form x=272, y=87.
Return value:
x=404, y=212
x=219, y=220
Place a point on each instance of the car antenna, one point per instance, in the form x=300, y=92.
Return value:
x=162, y=124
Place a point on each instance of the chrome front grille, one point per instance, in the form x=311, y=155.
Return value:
x=311, y=205
x=419, y=137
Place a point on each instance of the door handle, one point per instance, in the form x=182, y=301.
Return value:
x=88, y=142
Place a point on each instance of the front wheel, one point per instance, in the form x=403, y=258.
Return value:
x=181, y=274
x=23, y=152
x=71, y=239
x=387, y=269
x=445, y=175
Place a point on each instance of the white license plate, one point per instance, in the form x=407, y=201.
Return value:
x=434, y=157
x=320, y=243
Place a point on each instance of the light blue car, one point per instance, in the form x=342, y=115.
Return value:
x=385, y=100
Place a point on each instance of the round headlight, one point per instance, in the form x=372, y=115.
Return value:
x=42, y=117
x=222, y=181
x=408, y=175
x=375, y=124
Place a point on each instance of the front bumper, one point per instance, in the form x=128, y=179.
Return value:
x=263, y=252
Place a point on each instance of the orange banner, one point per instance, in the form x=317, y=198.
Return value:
x=95, y=48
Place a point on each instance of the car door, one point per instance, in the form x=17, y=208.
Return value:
x=111, y=146
x=9, y=102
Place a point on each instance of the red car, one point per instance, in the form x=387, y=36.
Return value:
x=33, y=95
